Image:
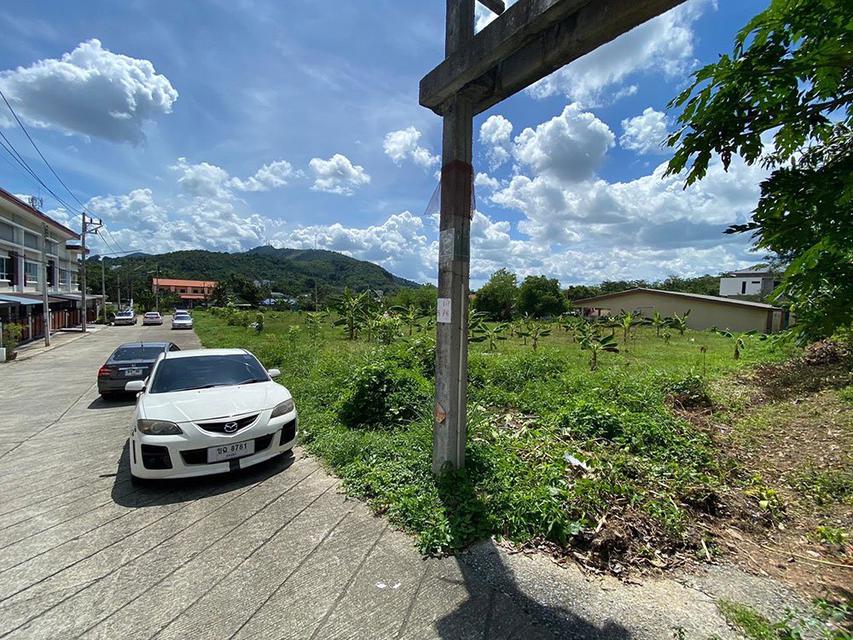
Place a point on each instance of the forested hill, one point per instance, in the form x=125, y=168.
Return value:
x=290, y=271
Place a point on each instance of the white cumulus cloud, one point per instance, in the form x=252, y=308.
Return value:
x=91, y=91
x=405, y=145
x=338, y=175
x=495, y=133
x=663, y=45
x=270, y=176
x=645, y=133
x=570, y=146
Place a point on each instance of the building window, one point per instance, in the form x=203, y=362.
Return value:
x=7, y=231
x=31, y=240
x=64, y=278
x=5, y=269
x=31, y=272
x=743, y=287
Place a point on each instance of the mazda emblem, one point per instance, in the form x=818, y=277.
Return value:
x=231, y=427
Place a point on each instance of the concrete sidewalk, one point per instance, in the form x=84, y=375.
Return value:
x=58, y=339
x=275, y=551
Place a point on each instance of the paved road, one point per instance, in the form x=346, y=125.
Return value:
x=275, y=551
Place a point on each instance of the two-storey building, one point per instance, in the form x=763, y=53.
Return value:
x=26, y=235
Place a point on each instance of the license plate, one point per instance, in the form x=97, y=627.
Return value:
x=133, y=372
x=228, y=451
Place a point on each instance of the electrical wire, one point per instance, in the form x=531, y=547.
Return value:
x=41, y=155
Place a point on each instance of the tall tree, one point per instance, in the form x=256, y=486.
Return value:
x=782, y=99
x=541, y=297
x=497, y=298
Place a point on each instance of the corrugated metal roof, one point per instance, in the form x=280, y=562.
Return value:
x=18, y=300
x=692, y=296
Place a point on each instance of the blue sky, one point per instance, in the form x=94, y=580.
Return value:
x=230, y=124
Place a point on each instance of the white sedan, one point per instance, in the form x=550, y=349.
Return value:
x=208, y=411
x=182, y=320
x=151, y=317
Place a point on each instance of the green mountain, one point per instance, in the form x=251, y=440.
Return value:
x=290, y=271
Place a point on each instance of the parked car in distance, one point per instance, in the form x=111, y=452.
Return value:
x=131, y=361
x=182, y=320
x=152, y=317
x=124, y=317
x=206, y=411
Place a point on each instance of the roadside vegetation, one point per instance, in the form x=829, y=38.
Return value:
x=619, y=445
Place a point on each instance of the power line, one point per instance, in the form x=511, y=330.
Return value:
x=35, y=146
x=10, y=149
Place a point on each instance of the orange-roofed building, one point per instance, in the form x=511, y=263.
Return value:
x=190, y=291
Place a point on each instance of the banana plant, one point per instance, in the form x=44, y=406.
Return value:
x=590, y=340
x=679, y=322
x=351, y=308
x=410, y=316
x=739, y=339
x=626, y=321
x=659, y=322
x=536, y=331
x=314, y=321
x=483, y=332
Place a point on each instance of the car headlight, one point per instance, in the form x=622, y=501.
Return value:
x=158, y=427
x=282, y=409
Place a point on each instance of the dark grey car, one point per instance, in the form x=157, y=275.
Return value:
x=131, y=361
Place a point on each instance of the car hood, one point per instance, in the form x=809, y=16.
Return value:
x=217, y=402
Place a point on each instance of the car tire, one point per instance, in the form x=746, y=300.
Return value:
x=107, y=395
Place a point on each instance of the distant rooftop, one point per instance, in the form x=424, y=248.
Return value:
x=752, y=271
x=176, y=282
x=691, y=296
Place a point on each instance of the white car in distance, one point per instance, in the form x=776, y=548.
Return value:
x=207, y=411
x=182, y=320
x=152, y=317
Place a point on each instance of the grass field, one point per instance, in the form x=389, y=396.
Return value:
x=611, y=466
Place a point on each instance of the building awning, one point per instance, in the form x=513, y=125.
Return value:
x=192, y=296
x=7, y=299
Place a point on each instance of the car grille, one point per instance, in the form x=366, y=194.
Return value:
x=228, y=426
x=199, y=456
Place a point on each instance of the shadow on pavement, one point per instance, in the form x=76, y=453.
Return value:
x=113, y=402
x=496, y=606
x=159, y=492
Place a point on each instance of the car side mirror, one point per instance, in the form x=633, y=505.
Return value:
x=273, y=373
x=135, y=386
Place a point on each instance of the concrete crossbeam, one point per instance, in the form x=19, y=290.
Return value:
x=530, y=40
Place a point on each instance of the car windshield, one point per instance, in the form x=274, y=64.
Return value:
x=182, y=316
x=203, y=372
x=138, y=352
x=125, y=314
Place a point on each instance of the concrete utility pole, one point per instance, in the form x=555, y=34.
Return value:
x=451, y=363
x=84, y=229
x=524, y=44
x=103, y=289
x=44, y=301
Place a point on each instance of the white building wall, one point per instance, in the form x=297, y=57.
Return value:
x=741, y=286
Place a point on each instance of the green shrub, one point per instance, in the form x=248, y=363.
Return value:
x=589, y=420
x=11, y=337
x=689, y=392
x=383, y=395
